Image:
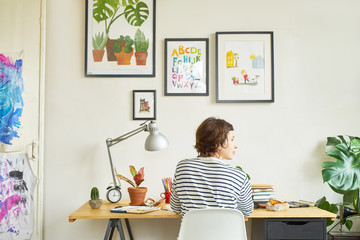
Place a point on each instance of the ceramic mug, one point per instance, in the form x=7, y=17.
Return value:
x=166, y=195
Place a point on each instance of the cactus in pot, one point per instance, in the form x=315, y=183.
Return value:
x=141, y=47
x=95, y=201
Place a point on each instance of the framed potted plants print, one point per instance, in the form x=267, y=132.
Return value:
x=144, y=104
x=120, y=38
x=244, y=67
x=186, y=67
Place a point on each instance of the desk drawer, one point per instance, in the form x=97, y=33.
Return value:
x=295, y=228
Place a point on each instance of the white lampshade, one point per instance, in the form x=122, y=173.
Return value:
x=155, y=141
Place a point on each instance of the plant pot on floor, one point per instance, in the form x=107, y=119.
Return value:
x=95, y=203
x=137, y=195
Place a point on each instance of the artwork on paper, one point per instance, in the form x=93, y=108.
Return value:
x=244, y=67
x=244, y=63
x=186, y=67
x=120, y=38
x=11, y=101
x=144, y=104
x=16, y=197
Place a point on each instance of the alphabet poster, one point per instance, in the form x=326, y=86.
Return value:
x=17, y=183
x=186, y=67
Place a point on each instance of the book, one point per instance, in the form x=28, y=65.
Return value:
x=260, y=186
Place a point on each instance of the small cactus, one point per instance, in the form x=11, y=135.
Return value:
x=94, y=193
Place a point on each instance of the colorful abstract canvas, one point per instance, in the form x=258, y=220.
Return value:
x=11, y=101
x=17, y=184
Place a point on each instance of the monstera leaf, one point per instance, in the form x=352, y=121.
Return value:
x=104, y=9
x=344, y=174
x=136, y=12
x=135, y=16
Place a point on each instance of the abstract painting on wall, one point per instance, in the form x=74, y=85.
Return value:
x=244, y=67
x=11, y=101
x=17, y=184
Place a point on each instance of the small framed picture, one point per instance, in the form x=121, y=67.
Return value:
x=144, y=104
x=244, y=67
x=186, y=67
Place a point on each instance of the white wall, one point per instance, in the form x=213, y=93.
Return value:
x=317, y=86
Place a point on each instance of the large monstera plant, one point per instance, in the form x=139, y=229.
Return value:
x=135, y=12
x=343, y=176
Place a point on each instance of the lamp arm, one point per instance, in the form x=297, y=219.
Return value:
x=111, y=142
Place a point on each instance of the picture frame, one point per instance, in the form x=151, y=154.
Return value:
x=186, y=67
x=120, y=40
x=144, y=104
x=244, y=67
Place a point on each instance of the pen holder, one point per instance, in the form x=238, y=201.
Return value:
x=166, y=196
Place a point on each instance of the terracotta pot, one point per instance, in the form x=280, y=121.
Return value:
x=137, y=195
x=141, y=58
x=124, y=58
x=98, y=55
x=109, y=50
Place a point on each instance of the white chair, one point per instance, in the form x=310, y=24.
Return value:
x=213, y=224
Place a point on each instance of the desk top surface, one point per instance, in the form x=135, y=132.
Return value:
x=86, y=212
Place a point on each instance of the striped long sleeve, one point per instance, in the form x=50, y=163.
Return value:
x=209, y=182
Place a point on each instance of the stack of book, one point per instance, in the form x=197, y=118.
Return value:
x=262, y=193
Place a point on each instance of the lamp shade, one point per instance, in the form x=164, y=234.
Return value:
x=155, y=141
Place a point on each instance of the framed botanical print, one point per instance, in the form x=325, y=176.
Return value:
x=186, y=67
x=120, y=38
x=144, y=104
x=244, y=67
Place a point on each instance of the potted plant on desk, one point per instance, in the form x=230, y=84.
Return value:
x=343, y=177
x=137, y=194
x=95, y=201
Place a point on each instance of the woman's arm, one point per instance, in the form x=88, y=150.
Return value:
x=174, y=200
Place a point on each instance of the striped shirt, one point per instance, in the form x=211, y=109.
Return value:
x=208, y=182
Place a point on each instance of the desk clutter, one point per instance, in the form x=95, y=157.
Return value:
x=262, y=193
x=134, y=209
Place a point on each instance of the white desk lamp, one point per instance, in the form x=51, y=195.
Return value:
x=154, y=142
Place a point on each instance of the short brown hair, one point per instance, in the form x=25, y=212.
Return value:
x=211, y=134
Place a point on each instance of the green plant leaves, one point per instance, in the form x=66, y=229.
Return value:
x=135, y=16
x=104, y=9
x=128, y=2
x=324, y=204
x=132, y=170
x=344, y=174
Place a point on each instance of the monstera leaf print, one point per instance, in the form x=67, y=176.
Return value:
x=137, y=15
x=104, y=9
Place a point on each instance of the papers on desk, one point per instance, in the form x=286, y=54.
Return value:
x=134, y=209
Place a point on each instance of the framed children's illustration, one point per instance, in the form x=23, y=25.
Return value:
x=244, y=67
x=187, y=67
x=144, y=104
x=120, y=38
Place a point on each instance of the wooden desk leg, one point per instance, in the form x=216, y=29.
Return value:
x=114, y=223
x=129, y=229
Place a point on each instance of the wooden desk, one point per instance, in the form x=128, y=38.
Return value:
x=86, y=212
x=294, y=223
x=268, y=218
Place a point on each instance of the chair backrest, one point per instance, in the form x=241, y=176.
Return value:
x=213, y=223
